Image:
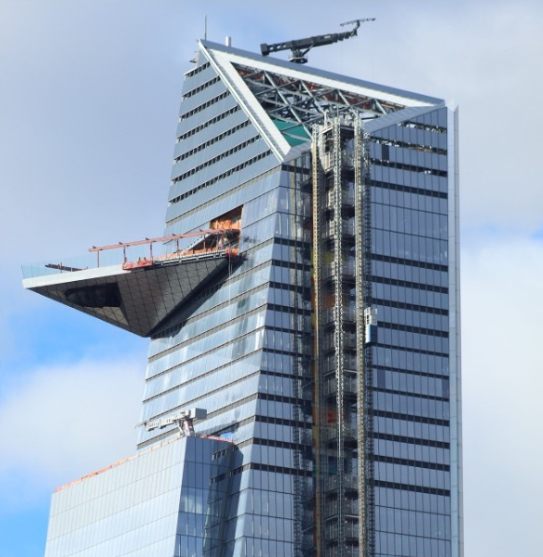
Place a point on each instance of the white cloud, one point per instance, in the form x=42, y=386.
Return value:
x=502, y=383
x=63, y=422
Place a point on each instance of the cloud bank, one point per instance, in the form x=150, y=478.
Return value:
x=65, y=421
x=502, y=305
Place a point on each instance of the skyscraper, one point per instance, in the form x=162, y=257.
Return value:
x=305, y=294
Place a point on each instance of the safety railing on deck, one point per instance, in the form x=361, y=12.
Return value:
x=146, y=253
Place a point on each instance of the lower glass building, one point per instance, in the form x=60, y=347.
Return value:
x=307, y=297
x=169, y=500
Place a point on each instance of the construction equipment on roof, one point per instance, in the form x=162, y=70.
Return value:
x=301, y=47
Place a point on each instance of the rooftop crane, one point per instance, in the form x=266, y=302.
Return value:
x=301, y=47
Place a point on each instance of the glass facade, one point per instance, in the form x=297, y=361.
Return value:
x=328, y=352
x=245, y=348
x=166, y=501
x=412, y=280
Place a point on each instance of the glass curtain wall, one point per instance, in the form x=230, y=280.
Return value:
x=241, y=348
x=410, y=371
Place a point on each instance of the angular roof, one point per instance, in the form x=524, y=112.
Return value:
x=284, y=99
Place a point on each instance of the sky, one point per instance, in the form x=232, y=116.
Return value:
x=89, y=93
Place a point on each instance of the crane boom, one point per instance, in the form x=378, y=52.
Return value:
x=301, y=47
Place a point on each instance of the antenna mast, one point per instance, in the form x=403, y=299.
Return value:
x=301, y=47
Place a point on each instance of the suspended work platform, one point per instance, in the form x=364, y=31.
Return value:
x=131, y=285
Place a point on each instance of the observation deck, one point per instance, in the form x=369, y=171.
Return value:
x=136, y=285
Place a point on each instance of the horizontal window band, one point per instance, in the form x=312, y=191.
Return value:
x=414, y=463
x=216, y=159
x=290, y=310
x=203, y=106
x=195, y=317
x=260, y=395
x=421, y=126
x=410, y=440
x=408, y=418
x=293, y=243
x=412, y=488
x=409, y=393
x=221, y=197
x=207, y=123
x=205, y=333
x=412, y=350
x=290, y=287
x=197, y=70
x=210, y=142
x=409, y=167
x=282, y=398
x=195, y=379
x=414, y=307
x=291, y=265
x=407, y=284
x=300, y=169
x=273, y=420
x=293, y=376
x=212, y=181
x=409, y=372
x=270, y=468
x=407, y=189
x=410, y=262
x=286, y=352
x=202, y=87
x=273, y=443
x=410, y=146
x=410, y=329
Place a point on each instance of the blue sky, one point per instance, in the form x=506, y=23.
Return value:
x=89, y=92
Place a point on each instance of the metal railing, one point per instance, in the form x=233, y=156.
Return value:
x=144, y=253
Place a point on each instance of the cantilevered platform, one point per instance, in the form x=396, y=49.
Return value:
x=140, y=293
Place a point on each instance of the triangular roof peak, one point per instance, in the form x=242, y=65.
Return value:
x=290, y=69
x=284, y=99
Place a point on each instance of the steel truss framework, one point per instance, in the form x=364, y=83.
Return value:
x=304, y=103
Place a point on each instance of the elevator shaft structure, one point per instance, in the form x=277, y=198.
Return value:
x=338, y=263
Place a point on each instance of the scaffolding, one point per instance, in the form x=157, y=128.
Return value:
x=339, y=229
